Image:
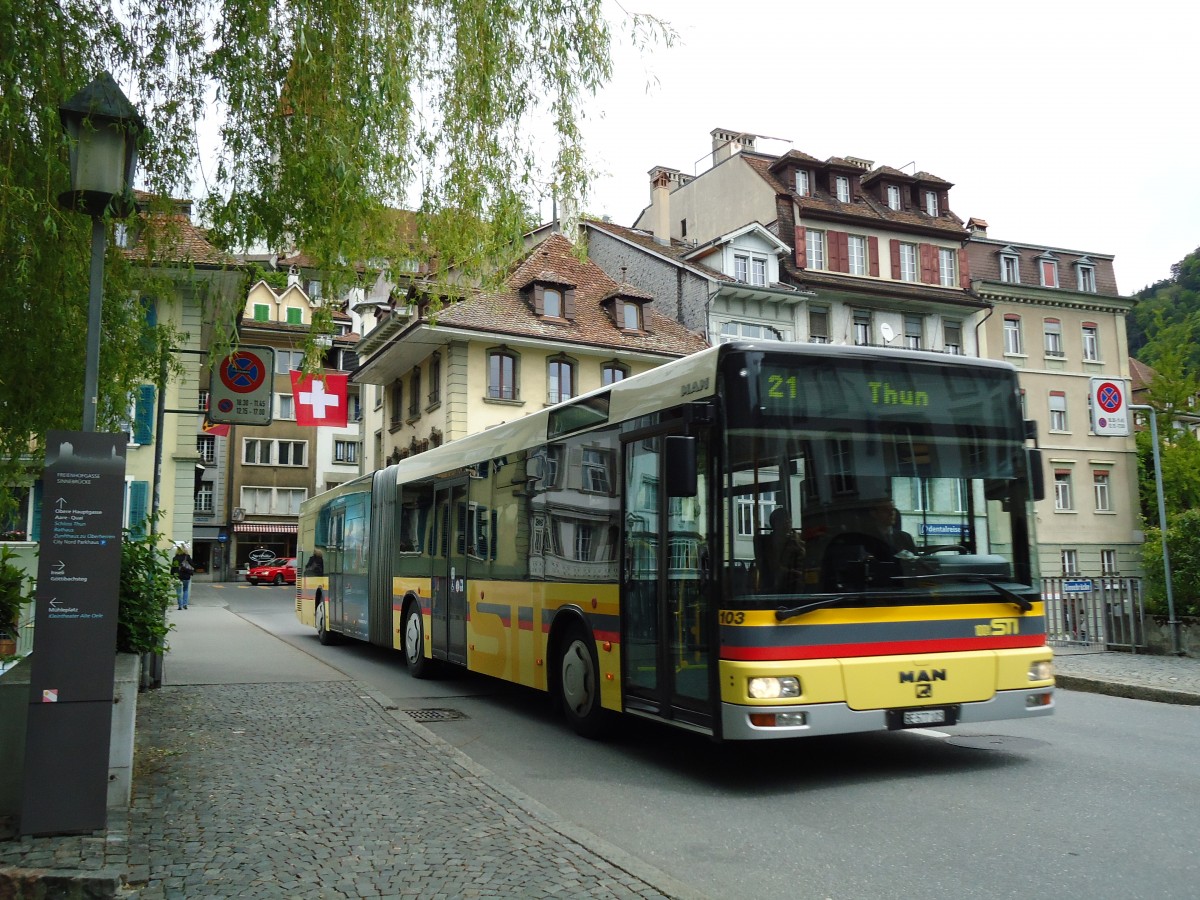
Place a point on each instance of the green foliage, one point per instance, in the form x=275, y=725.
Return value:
x=1183, y=543
x=15, y=591
x=147, y=590
x=1166, y=320
x=331, y=116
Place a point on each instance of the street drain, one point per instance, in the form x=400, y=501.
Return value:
x=994, y=742
x=433, y=715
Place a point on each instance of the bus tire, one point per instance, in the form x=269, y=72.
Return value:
x=579, y=683
x=324, y=635
x=414, y=643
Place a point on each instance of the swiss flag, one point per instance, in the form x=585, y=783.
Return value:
x=320, y=399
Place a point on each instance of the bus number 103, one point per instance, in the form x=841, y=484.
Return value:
x=781, y=387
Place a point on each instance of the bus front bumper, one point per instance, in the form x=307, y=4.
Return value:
x=753, y=723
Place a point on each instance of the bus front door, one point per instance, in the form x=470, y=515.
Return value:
x=665, y=590
x=448, y=631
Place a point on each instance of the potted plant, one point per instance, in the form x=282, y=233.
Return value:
x=14, y=594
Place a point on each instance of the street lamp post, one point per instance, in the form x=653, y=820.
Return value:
x=103, y=129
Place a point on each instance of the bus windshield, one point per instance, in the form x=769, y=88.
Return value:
x=873, y=480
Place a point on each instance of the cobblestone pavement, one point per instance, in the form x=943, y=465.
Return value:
x=319, y=790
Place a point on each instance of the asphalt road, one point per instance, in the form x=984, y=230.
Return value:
x=1096, y=801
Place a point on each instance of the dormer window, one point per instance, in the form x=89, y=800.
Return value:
x=631, y=316
x=552, y=301
x=841, y=186
x=1010, y=268
x=1048, y=268
x=893, y=197
x=931, y=203
x=750, y=269
x=1085, y=275
x=802, y=186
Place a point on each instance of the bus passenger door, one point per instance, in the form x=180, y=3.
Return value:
x=666, y=588
x=448, y=630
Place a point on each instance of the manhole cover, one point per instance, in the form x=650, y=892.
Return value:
x=994, y=742
x=433, y=715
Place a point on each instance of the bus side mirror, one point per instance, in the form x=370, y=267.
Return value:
x=1037, y=475
x=680, y=465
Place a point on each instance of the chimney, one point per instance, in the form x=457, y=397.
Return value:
x=977, y=227
x=726, y=143
x=660, y=204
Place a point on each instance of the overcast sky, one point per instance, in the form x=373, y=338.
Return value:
x=1067, y=124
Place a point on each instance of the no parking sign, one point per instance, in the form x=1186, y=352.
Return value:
x=1110, y=407
x=241, y=387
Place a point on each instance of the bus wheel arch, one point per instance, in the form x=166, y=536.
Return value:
x=576, y=681
x=412, y=634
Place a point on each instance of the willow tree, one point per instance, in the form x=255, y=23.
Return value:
x=326, y=115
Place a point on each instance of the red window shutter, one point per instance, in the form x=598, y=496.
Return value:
x=801, y=247
x=895, y=248
x=964, y=270
x=839, y=251
x=929, y=264
x=873, y=256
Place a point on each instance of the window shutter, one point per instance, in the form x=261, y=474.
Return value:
x=895, y=250
x=538, y=306
x=838, y=249
x=139, y=494
x=569, y=303
x=964, y=270
x=801, y=247
x=143, y=425
x=929, y=264
x=873, y=256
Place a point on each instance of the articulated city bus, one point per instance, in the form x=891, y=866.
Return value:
x=762, y=540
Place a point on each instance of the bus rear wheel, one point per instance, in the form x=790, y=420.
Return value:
x=579, y=684
x=414, y=643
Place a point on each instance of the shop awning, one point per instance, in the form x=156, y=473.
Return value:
x=264, y=528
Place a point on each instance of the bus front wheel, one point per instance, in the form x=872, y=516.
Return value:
x=414, y=643
x=324, y=635
x=579, y=684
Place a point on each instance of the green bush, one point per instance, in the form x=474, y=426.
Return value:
x=147, y=590
x=1183, y=543
x=14, y=590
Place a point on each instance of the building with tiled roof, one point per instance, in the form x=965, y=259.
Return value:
x=263, y=472
x=1060, y=319
x=873, y=255
x=558, y=327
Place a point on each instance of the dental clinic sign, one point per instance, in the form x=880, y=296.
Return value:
x=1109, y=401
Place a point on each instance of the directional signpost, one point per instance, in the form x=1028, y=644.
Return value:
x=72, y=666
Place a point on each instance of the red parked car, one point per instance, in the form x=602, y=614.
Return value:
x=277, y=571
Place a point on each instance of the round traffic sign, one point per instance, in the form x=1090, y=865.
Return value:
x=243, y=372
x=1108, y=395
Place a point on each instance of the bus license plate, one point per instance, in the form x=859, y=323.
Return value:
x=924, y=717
x=916, y=718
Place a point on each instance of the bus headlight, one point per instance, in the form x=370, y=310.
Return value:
x=774, y=688
x=1043, y=670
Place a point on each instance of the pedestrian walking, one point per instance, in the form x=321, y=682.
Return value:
x=183, y=569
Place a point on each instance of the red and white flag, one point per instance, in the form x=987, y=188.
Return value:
x=320, y=399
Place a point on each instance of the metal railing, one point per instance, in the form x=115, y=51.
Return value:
x=1104, y=613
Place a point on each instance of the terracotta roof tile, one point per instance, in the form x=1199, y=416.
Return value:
x=179, y=241
x=506, y=311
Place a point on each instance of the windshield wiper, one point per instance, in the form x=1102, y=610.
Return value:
x=974, y=578
x=786, y=613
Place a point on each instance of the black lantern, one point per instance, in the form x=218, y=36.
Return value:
x=103, y=128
